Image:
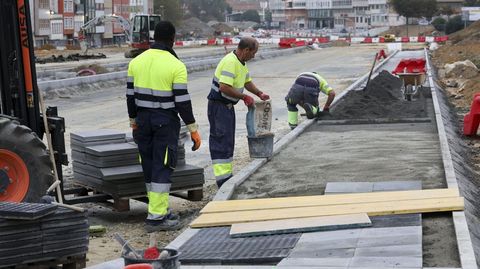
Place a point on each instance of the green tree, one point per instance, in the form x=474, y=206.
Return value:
x=439, y=24
x=472, y=3
x=251, y=15
x=454, y=24
x=414, y=8
x=207, y=10
x=169, y=9
x=268, y=17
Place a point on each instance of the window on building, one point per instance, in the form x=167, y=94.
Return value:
x=68, y=6
x=44, y=4
x=68, y=23
x=57, y=27
x=44, y=24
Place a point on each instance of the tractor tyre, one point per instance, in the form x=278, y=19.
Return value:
x=25, y=166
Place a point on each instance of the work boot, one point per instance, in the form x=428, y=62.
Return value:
x=172, y=216
x=221, y=182
x=162, y=225
x=310, y=110
x=292, y=126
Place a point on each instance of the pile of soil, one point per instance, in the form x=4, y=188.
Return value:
x=382, y=98
x=196, y=28
x=463, y=45
x=413, y=30
x=471, y=33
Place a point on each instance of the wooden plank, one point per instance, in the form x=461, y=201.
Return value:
x=321, y=200
x=372, y=209
x=324, y=223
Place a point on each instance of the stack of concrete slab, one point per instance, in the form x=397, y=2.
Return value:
x=35, y=238
x=103, y=160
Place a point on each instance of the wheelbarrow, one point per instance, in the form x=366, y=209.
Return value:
x=412, y=74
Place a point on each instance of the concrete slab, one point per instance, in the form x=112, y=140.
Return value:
x=97, y=135
x=390, y=251
x=348, y=187
x=392, y=262
x=112, y=149
x=313, y=262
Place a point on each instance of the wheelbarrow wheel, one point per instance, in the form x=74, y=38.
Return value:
x=408, y=92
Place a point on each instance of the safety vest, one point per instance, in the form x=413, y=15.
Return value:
x=156, y=75
x=313, y=80
x=230, y=71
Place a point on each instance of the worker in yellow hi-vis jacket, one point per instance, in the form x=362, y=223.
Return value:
x=156, y=94
x=305, y=92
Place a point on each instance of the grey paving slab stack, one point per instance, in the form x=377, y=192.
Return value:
x=392, y=241
x=108, y=161
x=55, y=237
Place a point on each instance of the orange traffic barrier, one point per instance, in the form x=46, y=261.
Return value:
x=472, y=119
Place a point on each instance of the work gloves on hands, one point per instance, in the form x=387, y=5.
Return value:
x=326, y=108
x=263, y=96
x=248, y=100
x=195, y=136
x=133, y=125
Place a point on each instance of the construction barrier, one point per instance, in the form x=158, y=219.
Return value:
x=472, y=119
x=288, y=42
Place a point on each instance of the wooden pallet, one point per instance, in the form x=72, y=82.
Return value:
x=67, y=262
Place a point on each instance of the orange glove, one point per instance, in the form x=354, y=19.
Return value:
x=196, y=139
x=134, y=127
x=248, y=100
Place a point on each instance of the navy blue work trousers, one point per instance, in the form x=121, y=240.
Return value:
x=222, y=130
x=157, y=139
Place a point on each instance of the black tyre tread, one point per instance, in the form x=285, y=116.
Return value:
x=21, y=140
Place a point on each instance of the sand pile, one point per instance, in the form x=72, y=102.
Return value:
x=382, y=99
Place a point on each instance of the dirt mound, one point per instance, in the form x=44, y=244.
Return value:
x=413, y=30
x=195, y=27
x=382, y=99
x=471, y=33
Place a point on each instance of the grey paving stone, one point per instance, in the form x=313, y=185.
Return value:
x=396, y=240
x=97, y=135
x=348, y=187
x=384, y=232
x=312, y=262
x=313, y=252
x=393, y=262
x=338, y=243
x=396, y=220
x=80, y=146
x=329, y=236
x=390, y=251
x=397, y=185
x=112, y=149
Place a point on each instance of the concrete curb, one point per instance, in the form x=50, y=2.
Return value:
x=464, y=242
x=198, y=65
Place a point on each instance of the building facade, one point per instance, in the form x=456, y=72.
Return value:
x=59, y=21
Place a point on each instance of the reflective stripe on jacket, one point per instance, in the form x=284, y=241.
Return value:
x=156, y=79
x=230, y=71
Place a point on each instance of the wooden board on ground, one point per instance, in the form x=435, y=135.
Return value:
x=325, y=223
x=372, y=209
x=322, y=200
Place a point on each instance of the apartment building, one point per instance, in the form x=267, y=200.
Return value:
x=296, y=14
x=59, y=21
x=277, y=7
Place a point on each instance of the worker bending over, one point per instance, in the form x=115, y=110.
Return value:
x=229, y=81
x=305, y=92
x=156, y=94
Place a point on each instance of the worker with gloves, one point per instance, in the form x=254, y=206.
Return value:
x=156, y=94
x=229, y=81
x=305, y=92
